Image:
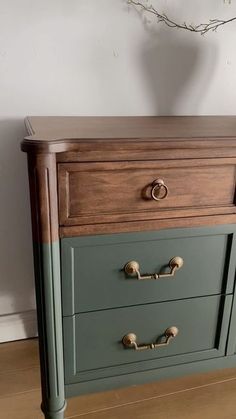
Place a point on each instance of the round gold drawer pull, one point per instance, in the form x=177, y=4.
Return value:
x=130, y=340
x=159, y=190
x=132, y=269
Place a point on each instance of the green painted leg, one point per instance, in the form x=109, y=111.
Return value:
x=54, y=415
x=47, y=271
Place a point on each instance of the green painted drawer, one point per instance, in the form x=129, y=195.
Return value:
x=93, y=277
x=93, y=345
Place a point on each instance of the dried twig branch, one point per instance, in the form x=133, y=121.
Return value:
x=202, y=28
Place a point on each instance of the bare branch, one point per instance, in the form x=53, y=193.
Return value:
x=201, y=28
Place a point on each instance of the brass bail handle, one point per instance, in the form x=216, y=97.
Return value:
x=130, y=340
x=132, y=269
x=159, y=190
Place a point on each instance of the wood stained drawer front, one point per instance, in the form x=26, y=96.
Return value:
x=93, y=345
x=110, y=192
x=93, y=275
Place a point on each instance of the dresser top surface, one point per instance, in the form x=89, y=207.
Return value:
x=51, y=128
x=45, y=131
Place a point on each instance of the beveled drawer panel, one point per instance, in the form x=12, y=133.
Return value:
x=110, y=192
x=93, y=342
x=93, y=276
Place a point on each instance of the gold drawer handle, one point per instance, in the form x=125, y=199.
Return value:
x=159, y=190
x=132, y=269
x=130, y=340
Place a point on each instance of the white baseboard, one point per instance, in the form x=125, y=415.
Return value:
x=18, y=326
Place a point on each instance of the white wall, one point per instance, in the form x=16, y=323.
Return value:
x=93, y=57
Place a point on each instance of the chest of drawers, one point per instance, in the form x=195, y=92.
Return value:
x=134, y=223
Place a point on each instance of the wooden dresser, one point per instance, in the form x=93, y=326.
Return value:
x=134, y=224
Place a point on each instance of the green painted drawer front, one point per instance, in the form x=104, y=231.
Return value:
x=93, y=277
x=93, y=341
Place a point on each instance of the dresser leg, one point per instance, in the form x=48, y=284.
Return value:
x=59, y=414
x=43, y=190
x=50, y=329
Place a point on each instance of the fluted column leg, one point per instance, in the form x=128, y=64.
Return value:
x=43, y=190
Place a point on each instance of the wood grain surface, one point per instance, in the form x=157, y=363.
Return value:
x=183, y=221
x=60, y=134
x=43, y=195
x=198, y=396
x=113, y=192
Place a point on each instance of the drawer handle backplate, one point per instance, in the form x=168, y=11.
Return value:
x=159, y=190
x=132, y=269
x=130, y=340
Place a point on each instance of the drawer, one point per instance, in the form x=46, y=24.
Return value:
x=93, y=276
x=111, y=192
x=93, y=345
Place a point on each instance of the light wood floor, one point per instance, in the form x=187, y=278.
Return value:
x=203, y=396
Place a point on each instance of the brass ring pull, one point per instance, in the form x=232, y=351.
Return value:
x=132, y=269
x=159, y=190
x=130, y=340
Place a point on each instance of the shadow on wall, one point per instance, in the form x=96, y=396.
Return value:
x=179, y=68
x=16, y=260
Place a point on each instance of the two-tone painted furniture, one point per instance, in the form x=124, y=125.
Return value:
x=134, y=224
